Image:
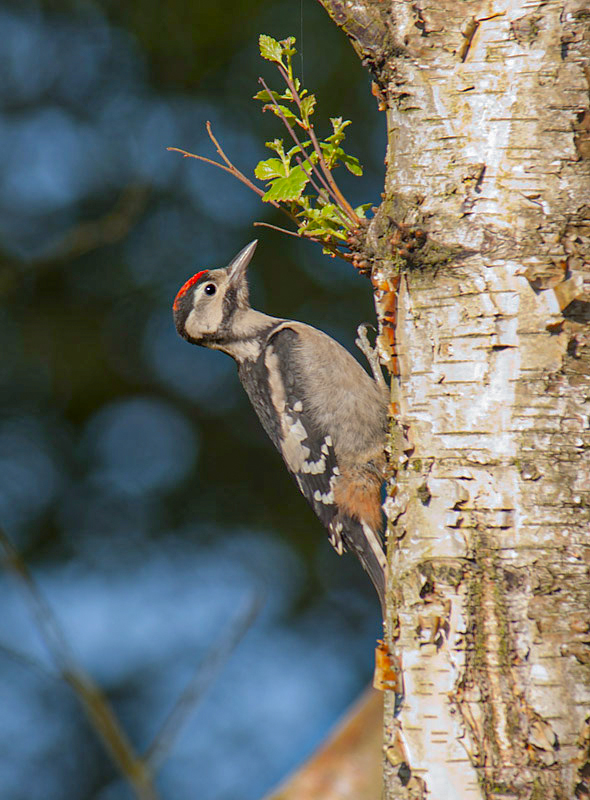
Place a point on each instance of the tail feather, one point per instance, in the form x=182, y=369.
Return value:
x=366, y=544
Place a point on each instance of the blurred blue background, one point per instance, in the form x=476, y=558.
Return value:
x=134, y=476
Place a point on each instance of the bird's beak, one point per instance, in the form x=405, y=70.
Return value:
x=238, y=265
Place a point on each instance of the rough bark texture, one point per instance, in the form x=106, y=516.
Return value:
x=480, y=255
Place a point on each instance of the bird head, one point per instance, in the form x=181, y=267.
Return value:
x=205, y=305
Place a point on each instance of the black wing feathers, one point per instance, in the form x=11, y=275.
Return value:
x=307, y=451
x=316, y=474
x=276, y=387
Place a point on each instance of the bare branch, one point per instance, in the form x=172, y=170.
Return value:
x=232, y=169
x=331, y=247
x=281, y=230
x=206, y=673
x=93, y=701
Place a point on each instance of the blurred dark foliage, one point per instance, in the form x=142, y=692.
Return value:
x=134, y=477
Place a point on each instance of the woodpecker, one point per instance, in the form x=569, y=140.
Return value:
x=321, y=410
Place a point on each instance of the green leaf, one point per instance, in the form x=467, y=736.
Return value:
x=338, y=125
x=352, y=164
x=361, y=211
x=307, y=108
x=287, y=113
x=266, y=97
x=332, y=153
x=277, y=146
x=288, y=173
x=294, y=150
x=287, y=45
x=288, y=188
x=329, y=212
x=323, y=229
x=307, y=159
x=308, y=105
x=270, y=49
x=272, y=168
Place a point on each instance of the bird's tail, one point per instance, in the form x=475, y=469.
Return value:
x=366, y=544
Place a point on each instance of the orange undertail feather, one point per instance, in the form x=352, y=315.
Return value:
x=359, y=496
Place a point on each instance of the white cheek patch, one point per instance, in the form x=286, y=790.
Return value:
x=205, y=318
x=191, y=325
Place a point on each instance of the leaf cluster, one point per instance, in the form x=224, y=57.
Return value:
x=299, y=178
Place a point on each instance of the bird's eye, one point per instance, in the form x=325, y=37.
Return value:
x=210, y=289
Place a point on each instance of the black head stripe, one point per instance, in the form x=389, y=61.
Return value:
x=182, y=308
x=183, y=302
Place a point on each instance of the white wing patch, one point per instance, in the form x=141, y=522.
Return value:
x=293, y=432
x=335, y=537
x=299, y=431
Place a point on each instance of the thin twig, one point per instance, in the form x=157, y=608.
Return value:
x=232, y=170
x=341, y=200
x=309, y=174
x=295, y=138
x=281, y=230
x=218, y=147
x=206, y=674
x=95, y=704
x=229, y=167
x=331, y=247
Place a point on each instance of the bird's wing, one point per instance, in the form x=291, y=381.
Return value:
x=306, y=446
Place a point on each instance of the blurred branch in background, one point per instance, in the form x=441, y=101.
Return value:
x=95, y=704
x=207, y=672
x=106, y=229
x=119, y=446
x=348, y=765
x=138, y=770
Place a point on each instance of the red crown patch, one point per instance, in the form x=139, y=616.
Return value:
x=186, y=286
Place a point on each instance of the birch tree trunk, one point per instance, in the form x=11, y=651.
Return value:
x=479, y=254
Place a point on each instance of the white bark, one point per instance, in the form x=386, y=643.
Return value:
x=489, y=155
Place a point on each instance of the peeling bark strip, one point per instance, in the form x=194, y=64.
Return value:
x=488, y=110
